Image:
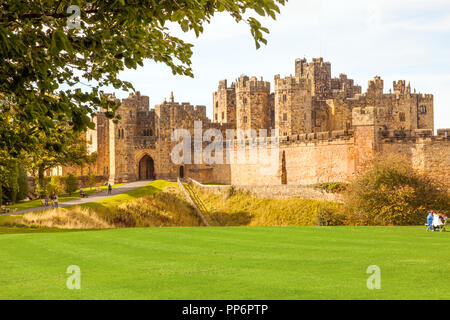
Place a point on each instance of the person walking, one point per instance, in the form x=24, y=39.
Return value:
x=46, y=200
x=52, y=200
x=56, y=200
x=109, y=188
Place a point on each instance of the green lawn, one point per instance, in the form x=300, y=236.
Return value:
x=227, y=263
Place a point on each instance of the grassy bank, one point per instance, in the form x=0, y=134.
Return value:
x=238, y=208
x=161, y=204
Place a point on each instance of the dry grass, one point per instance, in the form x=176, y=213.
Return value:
x=238, y=208
x=163, y=209
x=74, y=218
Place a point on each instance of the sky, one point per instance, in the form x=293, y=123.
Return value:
x=397, y=40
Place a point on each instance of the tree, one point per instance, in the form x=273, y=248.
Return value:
x=46, y=56
x=54, y=186
x=22, y=181
x=62, y=147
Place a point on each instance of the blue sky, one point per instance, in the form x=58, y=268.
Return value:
x=397, y=40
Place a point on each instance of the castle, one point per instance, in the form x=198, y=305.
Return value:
x=328, y=130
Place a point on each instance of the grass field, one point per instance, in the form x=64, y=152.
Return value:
x=227, y=263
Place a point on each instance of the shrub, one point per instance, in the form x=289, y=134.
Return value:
x=71, y=183
x=54, y=186
x=390, y=192
x=332, y=187
x=92, y=180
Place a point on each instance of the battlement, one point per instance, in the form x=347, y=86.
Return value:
x=244, y=83
x=223, y=85
x=137, y=101
x=414, y=135
x=291, y=82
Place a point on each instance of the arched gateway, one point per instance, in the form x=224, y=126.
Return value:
x=146, y=168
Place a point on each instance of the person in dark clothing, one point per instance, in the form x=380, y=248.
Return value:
x=109, y=188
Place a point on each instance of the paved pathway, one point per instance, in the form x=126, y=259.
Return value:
x=94, y=197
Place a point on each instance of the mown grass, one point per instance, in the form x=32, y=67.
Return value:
x=227, y=263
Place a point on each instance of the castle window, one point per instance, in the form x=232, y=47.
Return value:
x=423, y=109
x=245, y=100
x=150, y=132
x=284, y=116
x=223, y=115
x=216, y=116
x=245, y=119
x=217, y=104
x=402, y=116
x=122, y=134
x=131, y=114
x=118, y=134
x=284, y=98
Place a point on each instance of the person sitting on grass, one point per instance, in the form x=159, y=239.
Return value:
x=437, y=223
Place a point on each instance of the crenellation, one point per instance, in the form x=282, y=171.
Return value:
x=328, y=129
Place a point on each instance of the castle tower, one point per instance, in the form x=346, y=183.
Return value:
x=319, y=72
x=254, y=104
x=375, y=90
x=293, y=105
x=122, y=135
x=365, y=124
x=224, y=103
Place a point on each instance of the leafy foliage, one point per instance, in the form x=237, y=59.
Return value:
x=71, y=183
x=45, y=61
x=390, y=192
x=332, y=187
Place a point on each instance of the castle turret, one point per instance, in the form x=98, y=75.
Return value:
x=224, y=104
x=293, y=105
x=319, y=72
x=254, y=104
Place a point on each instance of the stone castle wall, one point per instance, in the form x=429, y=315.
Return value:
x=329, y=130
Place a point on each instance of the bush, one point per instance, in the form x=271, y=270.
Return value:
x=92, y=180
x=332, y=187
x=71, y=183
x=54, y=186
x=390, y=192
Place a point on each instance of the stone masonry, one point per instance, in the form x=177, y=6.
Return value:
x=328, y=130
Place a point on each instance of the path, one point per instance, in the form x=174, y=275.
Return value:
x=94, y=197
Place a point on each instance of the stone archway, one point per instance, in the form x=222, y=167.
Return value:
x=146, y=168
